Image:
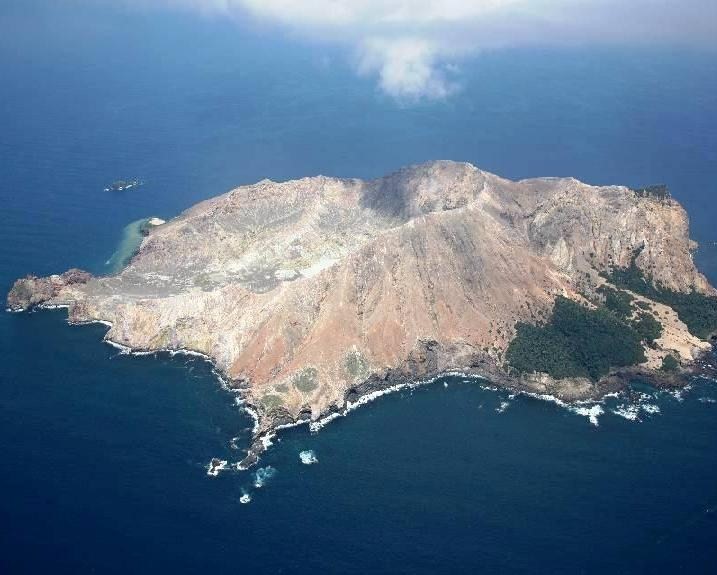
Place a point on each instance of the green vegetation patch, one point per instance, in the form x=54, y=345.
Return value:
x=575, y=342
x=356, y=365
x=696, y=310
x=647, y=327
x=271, y=401
x=617, y=301
x=306, y=380
x=670, y=364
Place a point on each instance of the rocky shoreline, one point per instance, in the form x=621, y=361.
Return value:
x=421, y=369
x=568, y=391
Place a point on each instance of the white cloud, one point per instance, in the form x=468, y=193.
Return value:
x=407, y=67
x=410, y=45
x=375, y=13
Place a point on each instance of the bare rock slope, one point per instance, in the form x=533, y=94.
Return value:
x=310, y=293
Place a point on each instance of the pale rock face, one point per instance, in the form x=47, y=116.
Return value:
x=304, y=291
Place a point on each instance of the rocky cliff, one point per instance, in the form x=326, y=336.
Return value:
x=310, y=293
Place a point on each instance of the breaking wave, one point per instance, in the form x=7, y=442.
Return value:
x=216, y=466
x=592, y=412
x=308, y=457
x=262, y=475
x=636, y=406
x=503, y=406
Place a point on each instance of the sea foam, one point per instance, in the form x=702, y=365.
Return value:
x=503, y=406
x=262, y=475
x=591, y=410
x=592, y=413
x=308, y=457
x=216, y=466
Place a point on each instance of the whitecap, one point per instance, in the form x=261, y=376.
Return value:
x=592, y=413
x=53, y=306
x=251, y=413
x=650, y=408
x=629, y=412
x=216, y=466
x=122, y=348
x=267, y=440
x=308, y=457
x=679, y=394
x=503, y=406
x=245, y=497
x=262, y=475
x=315, y=426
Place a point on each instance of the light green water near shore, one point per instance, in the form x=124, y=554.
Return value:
x=132, y=236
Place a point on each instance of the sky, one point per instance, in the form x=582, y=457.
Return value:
x=414, y=48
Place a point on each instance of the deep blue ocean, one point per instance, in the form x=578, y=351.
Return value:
x=103, y=456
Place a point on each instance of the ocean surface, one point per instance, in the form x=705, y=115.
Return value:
x=103, y=456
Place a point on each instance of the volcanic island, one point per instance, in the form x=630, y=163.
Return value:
x=313, y=295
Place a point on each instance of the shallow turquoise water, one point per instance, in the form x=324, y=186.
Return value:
x=104, y=455
x=132, y=237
